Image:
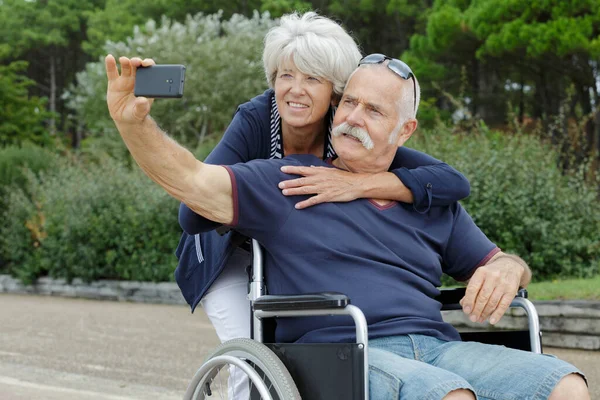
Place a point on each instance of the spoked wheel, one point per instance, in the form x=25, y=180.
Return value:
x=268, y=378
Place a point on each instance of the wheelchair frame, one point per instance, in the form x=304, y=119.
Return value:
x=257, y=290
x=325, y=304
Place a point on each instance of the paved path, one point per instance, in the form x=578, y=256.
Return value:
x=54, y=348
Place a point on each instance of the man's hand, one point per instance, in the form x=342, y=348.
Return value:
x=493, y=287
x=123, y=106
x=328, y=184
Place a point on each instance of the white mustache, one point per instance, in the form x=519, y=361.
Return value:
x=356, y=132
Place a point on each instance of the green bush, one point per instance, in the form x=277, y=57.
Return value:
x=104, y=220
x=101, y=221
x=522, y=201
x=97, y=149
x=14, y=160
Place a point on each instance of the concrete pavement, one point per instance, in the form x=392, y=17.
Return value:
x=54, y=348
x=82, y=349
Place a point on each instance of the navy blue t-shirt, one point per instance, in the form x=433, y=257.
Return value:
x=254, y=134
x=387, y=259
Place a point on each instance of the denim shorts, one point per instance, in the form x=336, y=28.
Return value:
x=425, y=368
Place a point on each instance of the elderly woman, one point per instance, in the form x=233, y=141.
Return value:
x=307, y=61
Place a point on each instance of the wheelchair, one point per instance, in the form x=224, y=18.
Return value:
x=330, y=371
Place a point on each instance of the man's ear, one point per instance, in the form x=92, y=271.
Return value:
x=406, y=131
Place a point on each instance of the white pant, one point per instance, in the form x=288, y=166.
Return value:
x=228, y=308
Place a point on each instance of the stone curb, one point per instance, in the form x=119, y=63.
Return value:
x=569, y=324
x=141, y=292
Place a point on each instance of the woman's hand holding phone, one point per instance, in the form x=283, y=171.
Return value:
x=123, y=106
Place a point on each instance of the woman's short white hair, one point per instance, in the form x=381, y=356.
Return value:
x=317, y=45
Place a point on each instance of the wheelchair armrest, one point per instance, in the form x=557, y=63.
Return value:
x=310, y=301
x=450, y=298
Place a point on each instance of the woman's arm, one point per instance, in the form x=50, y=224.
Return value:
x=237, y=145
x=431, y=182
x=414, y=177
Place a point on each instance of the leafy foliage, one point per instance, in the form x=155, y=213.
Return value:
x=117, y=19
x=490, y=59
x=528, y=53
x=537, y=28
x=48, y=35
x=30, y=24
x=14, y=160
x=16, y=163
x=224, y=69
x=101, y=221
x=22, y=115
x=523, y=202
x=279, y=7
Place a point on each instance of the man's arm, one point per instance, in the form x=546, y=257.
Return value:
x=493, y=287
x=242, y=141
x=205, y=188
x=494, y=277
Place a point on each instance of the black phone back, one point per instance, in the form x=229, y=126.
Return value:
x=165, y=80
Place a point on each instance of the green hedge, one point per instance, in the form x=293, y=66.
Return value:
x=100, y=221
x=15, y=163
x=522, y=201
x=103, y=219
x=14, y=160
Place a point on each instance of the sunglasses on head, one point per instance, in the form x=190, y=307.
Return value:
x=398, y=67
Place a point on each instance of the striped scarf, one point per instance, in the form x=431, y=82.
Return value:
x=276, y=134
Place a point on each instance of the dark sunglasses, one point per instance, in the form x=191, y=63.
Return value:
x=398, y=67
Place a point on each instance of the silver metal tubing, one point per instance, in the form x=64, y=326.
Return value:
x=194, y=387
x=362, y=336
x=257, y=329
x=257, y=264
x=257, y=288
x=534, y=322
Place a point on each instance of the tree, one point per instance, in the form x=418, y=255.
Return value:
x=552, y=46
x=279, y=7
x=47, y=34
x=22, y=116
x=224, y=69
x=115, y=21
x=528, y=53
x=380, y=26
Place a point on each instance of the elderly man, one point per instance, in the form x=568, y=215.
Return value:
x=377, y=252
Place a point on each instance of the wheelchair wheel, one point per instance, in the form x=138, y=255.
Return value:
x=267, y=375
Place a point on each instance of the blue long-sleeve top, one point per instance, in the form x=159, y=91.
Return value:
x=248, y=137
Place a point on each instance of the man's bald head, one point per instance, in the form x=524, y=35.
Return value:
x=373, y=101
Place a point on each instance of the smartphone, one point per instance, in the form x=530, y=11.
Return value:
x=160, y=81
